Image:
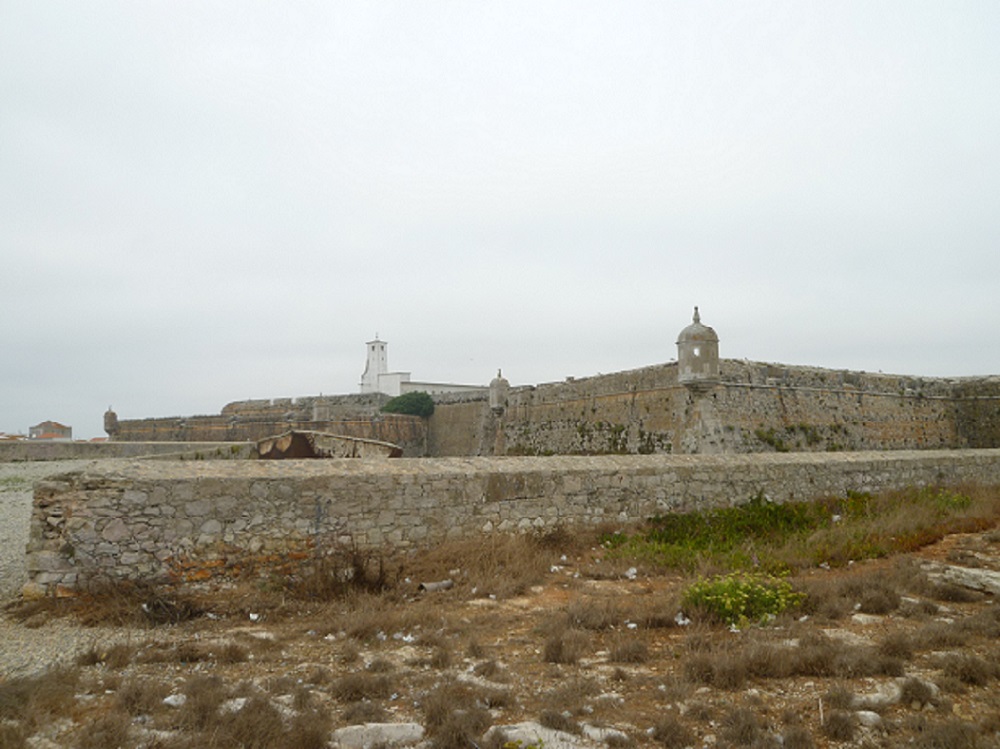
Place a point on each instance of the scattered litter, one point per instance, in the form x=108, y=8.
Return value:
x=175, y=700
x=681, y=620
x=631, y=573
x=255, y=617
x=439, y=585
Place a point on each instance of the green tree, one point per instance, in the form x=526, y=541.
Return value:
x=417, y=403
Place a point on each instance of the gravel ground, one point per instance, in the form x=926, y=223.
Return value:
x=23, y=649
x=16, y=482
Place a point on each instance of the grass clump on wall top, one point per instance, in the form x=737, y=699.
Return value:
x=417, y=403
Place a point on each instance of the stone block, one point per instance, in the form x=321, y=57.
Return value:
x=115, y=531
x=197, y=508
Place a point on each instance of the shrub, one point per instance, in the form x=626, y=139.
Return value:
x=417, y=403
x=365, y=712
x=970, y=669
x=797, y=737
x=558, y=721
x=34, y=699
x=360, y=686
x=453, y=716
x=257, y=725
x=566, y=647
x=629, y=651
x=740, y=598
x=742, y=727
x=110, y=730
x=840, y=725
x=954, y=734
x=670, y=732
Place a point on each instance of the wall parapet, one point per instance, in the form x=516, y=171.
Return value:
x=185, y=522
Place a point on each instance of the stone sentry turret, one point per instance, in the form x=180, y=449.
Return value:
x=698, y=356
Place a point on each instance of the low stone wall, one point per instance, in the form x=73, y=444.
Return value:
x=31, y=450
x=194, y=521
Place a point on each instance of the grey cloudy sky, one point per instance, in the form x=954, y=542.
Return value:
x=207, y=201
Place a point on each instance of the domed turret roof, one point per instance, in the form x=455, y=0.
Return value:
x=697, y=332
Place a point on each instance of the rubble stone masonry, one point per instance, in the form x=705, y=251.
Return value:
x=190, y=521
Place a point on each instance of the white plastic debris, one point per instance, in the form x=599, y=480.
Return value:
x=681, y=620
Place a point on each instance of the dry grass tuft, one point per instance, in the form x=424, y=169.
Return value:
x=970, y=669
x=566, y=647
x=133, y=603
x=936, y=635
x=454, y=716
x=34, y=700
x=570, y=696
x=840, y=697
x=360, y=686
x=955, y=734
x=897, y=644
x=840, y=725
x=797, y=737
x=141, y=696
x=559, y=721
x=672, y=732
x=500, y=565
x=725, y=669
x=109, y=731
x=114, y=657
x=593, y=613
x=916, y=693
x=340, y=571
x=257, y=725
x=364, y=711
x=628, y=650
x=742, y=726
x=204, y=696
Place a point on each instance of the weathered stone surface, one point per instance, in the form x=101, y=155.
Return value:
x=116, y=530
x=984, y=580
x=378, y=734
x=535, y=734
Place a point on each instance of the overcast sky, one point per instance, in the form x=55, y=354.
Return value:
x=203, y=202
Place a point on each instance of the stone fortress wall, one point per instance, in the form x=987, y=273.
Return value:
x=252, y=420
x=195, y=521
x=698, y=404
x=755, y=407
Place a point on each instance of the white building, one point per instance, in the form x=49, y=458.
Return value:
x=378, y=379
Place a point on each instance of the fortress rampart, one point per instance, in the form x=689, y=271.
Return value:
x=348, y=416
x=755, y=407
x=190, y=521
x=752, y=407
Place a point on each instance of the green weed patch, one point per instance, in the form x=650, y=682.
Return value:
x=774, y=538
x=739, y=598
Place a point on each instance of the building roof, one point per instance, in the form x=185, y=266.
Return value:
x=697, y=332
x=50, y=425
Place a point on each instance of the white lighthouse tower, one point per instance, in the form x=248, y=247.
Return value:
x=376, y=365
